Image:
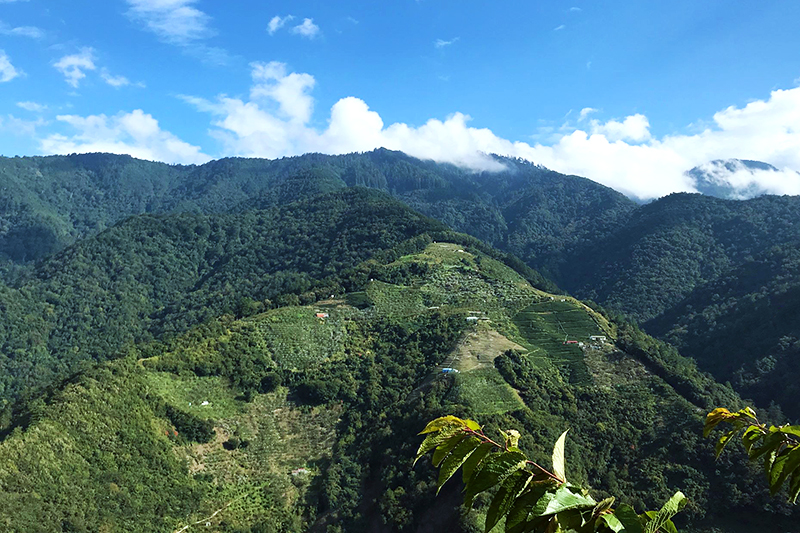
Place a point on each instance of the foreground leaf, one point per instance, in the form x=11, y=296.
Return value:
x=558, y=457
x=663, y=518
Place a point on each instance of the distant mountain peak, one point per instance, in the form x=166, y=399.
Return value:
x=741, y=179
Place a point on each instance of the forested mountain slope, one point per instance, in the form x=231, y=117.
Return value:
x=49, y=202
x=745, y=326
x=155, y=274
x=302, y=417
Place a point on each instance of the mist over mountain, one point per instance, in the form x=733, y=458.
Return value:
x=737, y=179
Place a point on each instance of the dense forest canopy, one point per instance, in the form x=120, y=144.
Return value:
x=212, y=322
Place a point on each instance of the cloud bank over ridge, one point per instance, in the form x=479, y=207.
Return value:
x=276, y=119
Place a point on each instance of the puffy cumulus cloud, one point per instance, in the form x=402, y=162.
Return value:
x=276, y=121
x=73, y=66
x=740, y=180
x=136, y=133
x=290, y=91
x=277, y=22
x=307, y=29
x=7, y=70
x=634, y=128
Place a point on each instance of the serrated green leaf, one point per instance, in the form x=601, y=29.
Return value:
x=794, y=487
x=662, y=519
x=770, y=443
x=748, y=412
x=604, y=505
x=558, y=457
x=444, y=449
x=505, y=497
x=474, y=460
x=723, y=441
x=471, y=424
x=441, y=423
x=517, y=517
x=613, y=523
x=435, y=439
x=460, y=453
x=629, y=518
x=751, y=436
x=783, y=466
x=496, y=468
x=790, y=430
x=564, y=498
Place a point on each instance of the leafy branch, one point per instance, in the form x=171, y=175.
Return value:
x=777, y=446
x=531, y=498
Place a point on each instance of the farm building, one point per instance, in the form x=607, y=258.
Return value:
x=472, y=319
x=322, y=315
x=450, y=371
x=600, y=338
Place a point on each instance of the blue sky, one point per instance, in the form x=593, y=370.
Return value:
x=628, y=93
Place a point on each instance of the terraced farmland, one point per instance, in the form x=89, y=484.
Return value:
x=296, y=338
x=546, y=325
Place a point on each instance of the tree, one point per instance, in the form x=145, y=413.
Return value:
x=530, y=497
x=778, y=446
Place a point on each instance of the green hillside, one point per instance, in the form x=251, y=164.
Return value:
x=151, y=276
x=302, y=417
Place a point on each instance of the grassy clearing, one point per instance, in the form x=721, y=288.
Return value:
x=189, y=393
x=485, y=392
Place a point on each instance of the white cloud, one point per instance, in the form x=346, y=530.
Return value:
x=635, y=128
x=276, y=121
x=114, y=81
x=11, y=1
x=559, y=28
x=277, y=22
x=21, y=31
x=575, y=9
x=586, y=111
x=136, y=133
x=307, y=29
x=73, y=66
x=441, y=43
x=173, y=21
x=32, y=107
x=7, y=71
x=746, y=181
